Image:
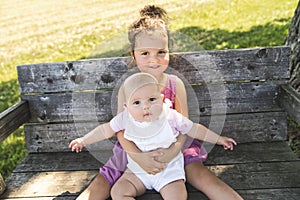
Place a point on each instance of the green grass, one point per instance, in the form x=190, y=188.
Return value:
x=50, y=31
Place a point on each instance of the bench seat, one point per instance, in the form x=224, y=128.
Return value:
x=255, y=170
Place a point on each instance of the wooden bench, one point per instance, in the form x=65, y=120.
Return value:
x=236, y=92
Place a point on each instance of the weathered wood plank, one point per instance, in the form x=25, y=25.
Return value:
x=56, y=137
x=92, y=160
x=13, y=118
x=260, y=175
x=204, y=66
x=45, y=184
x=101, y=105
x=2, y=184
x=289, y=99
x=256, y=194
x=59, y=197
x=274, y=194
x=247, y=176
x=61, y=161
x=237, y=97
x=259, y=194
x=234, y=64
x=252, y=152
x=263, y=194
x=250, y=127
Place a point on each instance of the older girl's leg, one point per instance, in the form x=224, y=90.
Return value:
x=201, y=178
x=98, y=189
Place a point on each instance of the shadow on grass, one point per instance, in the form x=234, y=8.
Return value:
x=270, y=34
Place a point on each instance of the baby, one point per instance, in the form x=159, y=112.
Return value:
x=150, y=124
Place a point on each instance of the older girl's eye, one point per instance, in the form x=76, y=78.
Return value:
x=144, y=53
x=136, y=103
x=162, y=52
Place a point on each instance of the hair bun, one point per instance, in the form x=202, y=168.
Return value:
x=153, y=11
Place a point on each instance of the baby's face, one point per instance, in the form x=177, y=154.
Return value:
x=145, y=103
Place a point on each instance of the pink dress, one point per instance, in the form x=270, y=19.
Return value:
x=193, y=151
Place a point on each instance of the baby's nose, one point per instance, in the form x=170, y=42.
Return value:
x=146, y=106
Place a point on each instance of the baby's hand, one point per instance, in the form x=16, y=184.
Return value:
x=76, y=145
x=228, y=143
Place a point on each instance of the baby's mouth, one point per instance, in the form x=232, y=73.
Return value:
x=147, y=115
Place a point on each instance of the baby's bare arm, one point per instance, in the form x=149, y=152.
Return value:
x=100, y=133
x=202, y=133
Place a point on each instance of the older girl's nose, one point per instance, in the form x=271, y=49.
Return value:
x=153, y=58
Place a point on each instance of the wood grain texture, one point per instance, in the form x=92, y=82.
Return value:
x=13, y=118
x=198, y=67
x=209, y=100
x=248, y=127
x=90, y=160
x=243, y=169
x=289, y=99
x=2, y=184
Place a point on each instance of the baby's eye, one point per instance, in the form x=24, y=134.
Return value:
x=136, y=103
x=152, y=99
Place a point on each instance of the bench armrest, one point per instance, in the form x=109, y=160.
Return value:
x=12, y=118
x=2, y=185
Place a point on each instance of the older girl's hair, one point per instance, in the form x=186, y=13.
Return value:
x=152, y=18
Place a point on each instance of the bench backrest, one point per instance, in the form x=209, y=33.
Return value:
x=233, y=91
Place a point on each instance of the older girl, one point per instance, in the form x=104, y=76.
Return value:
x=149, y=42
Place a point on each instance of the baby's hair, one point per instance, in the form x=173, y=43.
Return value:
x=152, y=18
x=136, y=81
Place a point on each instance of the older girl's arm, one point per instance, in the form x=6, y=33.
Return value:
x=181, y=107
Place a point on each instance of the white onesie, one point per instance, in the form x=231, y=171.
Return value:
x=149, y=136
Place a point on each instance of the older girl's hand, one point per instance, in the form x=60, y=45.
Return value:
x=169, y=153
x=148, y=161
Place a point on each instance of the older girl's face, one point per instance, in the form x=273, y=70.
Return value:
x=151, y=53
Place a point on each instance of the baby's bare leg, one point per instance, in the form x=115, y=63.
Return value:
x=174, y=191
x=127, y=187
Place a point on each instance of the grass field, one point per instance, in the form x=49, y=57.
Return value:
x=37, y=31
